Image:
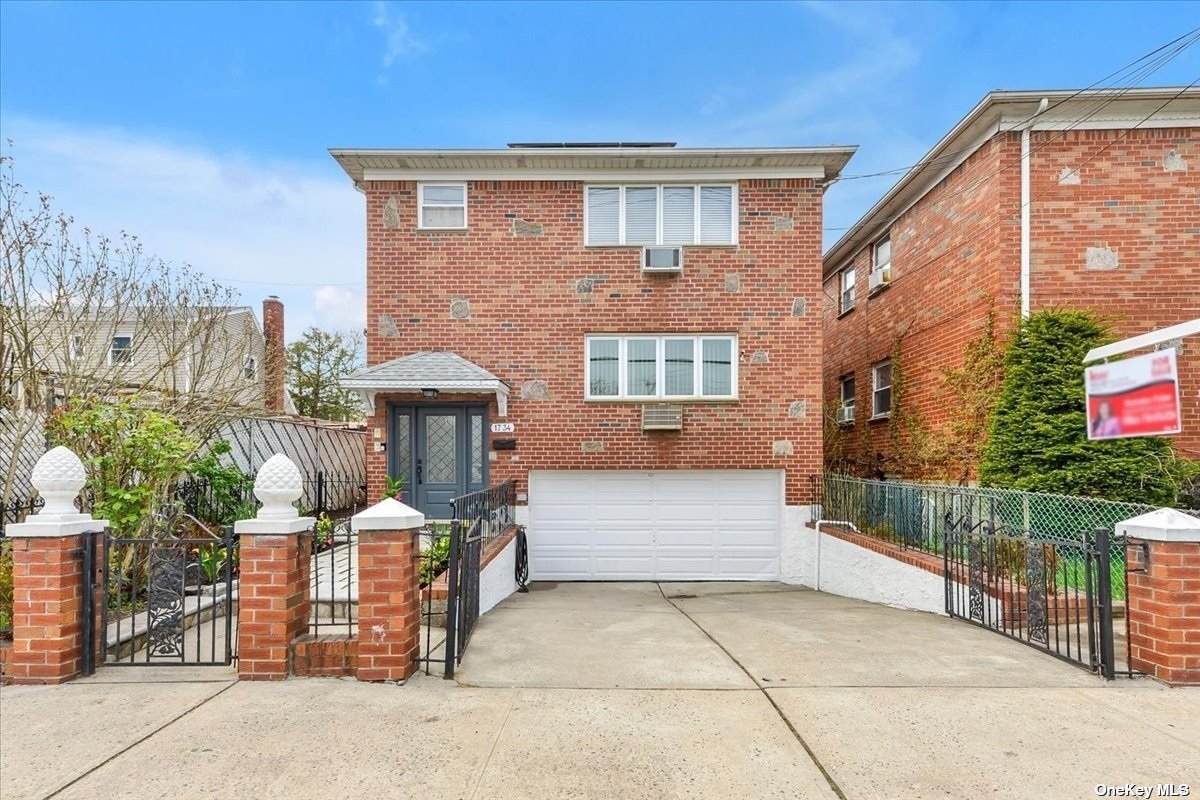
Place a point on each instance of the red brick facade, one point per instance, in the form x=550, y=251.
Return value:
x=956, y=254
x=533, y=296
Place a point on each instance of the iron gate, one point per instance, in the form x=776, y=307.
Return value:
x=165, y=596
x=1051, y=593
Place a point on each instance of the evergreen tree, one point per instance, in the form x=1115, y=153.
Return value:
x=315, y=365
x=1038, y=429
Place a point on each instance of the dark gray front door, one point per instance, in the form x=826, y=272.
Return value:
x=440, y=451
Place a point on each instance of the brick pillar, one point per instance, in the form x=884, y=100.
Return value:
x=1163, y=597
x=389, y=596
x=273, y=583
x=48, y=580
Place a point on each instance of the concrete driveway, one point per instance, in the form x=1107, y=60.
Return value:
x=626, y=690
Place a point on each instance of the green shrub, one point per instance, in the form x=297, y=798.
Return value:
x=226, y=499
x=133, y=456
x=6, y=585
x=1038, y=429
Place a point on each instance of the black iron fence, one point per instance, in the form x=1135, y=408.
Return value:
x=492, y=511
x=166, y=595
x=333, y=577
x=1051, y=593
x=16, y=511
x=451, y=561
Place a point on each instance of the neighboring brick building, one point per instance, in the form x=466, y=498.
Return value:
x=1112, y=181
x=508, y=307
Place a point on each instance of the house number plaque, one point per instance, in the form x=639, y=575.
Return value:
x=503, y=427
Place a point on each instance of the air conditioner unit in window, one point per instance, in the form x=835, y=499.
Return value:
x=662, y=259
x=845, y=415
x=662, y=417
x=879, y=278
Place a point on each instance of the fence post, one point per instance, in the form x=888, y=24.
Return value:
x=273, y=564
x=389, y=594
x=1163, y=595
x=1108, y=665
x=49, y=577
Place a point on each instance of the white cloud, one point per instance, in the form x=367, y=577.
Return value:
x=399, y=40
x=263, y=227
x=339, y=308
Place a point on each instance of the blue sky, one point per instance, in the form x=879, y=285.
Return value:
x=203, y=127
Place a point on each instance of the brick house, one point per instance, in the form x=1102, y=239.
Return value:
x=630, y=332
x=1110, y=186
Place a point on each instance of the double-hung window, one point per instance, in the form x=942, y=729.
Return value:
x=250, y=368
x=881, y=260
x=75, y=348
x=846, y=282
x=881, y=390
x=647, y=214
x=661, y=367
x=848, y=398
x=120, y=350
x=442, y=206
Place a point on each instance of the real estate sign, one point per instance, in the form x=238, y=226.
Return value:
x=1136, y=396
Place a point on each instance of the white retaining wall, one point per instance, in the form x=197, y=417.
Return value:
x=498, y=579
x=829, y=564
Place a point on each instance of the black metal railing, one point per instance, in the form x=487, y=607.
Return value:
x=333, y=577
x=492, y=510
x=167, y=595
x=462, y=597
x=15, y=511
x=1051, y=593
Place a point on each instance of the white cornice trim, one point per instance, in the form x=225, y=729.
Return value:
x=608, y=175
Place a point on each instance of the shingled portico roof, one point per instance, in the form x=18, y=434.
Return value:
x=441, y=370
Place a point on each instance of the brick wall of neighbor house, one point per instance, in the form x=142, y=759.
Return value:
x=1125, y=238
x=950, y=253
x=533, y=291
x=1135, y=202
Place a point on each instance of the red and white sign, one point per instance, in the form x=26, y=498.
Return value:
x=1137, y=396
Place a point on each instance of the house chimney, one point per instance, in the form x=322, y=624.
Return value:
x=275, y=362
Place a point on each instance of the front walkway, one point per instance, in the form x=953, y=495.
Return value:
x=626, y=690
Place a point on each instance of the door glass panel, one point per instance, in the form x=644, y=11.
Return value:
x=476, y=448
x=402, y=447
x=441, y=445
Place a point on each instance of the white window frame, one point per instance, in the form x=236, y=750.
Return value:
x=128, y=349
x=843, y=306
x=660, y=367
x=422, y=205
x=875, y=265
x=75, y=348
x=250, y=362
x=658, y=238
x=876, y=388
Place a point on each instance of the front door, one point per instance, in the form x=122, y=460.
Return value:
x=440, y=451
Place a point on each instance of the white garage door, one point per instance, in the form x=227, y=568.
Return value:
x=662, y=525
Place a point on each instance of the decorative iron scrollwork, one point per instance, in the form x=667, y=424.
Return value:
x=164, y=613
x=975, y=563
x=1035, y=573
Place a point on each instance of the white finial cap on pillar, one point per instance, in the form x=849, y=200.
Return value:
x=1161, y=525
x=58, y=478
x=278, y=486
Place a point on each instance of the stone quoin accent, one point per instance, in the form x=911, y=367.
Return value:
x=274, y=565
x=389, y=595
x=48, y=580
x=1164, y=595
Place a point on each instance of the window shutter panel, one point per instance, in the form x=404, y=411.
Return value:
x=604, y=215
x=641, y=214
x=679, y=214
x=716, y=214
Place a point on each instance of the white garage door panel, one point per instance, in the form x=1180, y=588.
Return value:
x=655, y=525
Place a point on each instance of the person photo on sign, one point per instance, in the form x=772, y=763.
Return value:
x=1106, y=423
